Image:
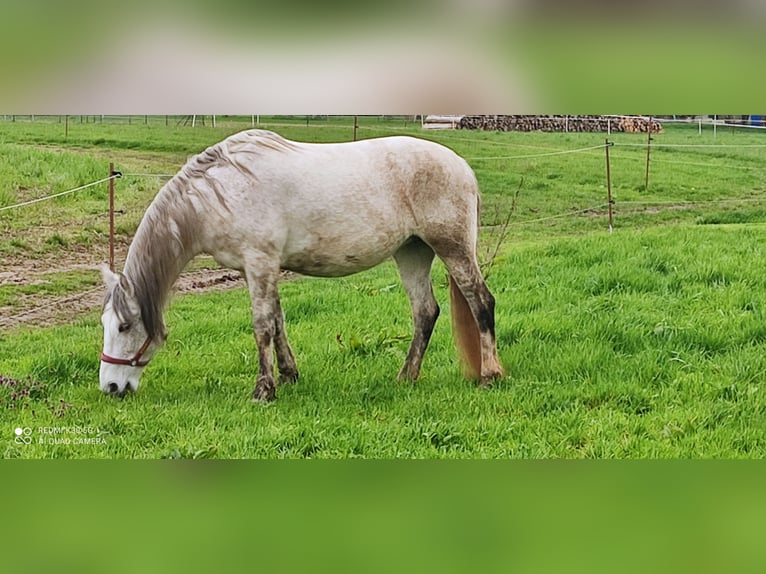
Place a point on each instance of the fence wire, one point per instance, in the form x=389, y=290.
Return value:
x=549, y=152
x=60, y=194
x=545, y=154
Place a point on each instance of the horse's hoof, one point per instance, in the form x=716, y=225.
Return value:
x=487, y=380
x=264, y=395
x=288, y=378
x=264, y=392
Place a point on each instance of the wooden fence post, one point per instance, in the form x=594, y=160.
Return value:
x=648, y=151
x=609, y=199
x=111, y=216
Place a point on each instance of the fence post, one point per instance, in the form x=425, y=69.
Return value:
x=648, y=152
x=609, y=199
x=356, y=125
x=111, y=215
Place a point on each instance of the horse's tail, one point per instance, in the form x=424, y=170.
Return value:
x=465, y=332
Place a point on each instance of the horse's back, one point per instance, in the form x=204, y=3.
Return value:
x=400, y=173
x=404, y=162
x=334, y=209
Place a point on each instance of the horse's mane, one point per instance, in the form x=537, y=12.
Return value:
x=236, y=150
x=157, y=255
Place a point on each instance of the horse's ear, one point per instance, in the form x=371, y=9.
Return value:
x=110, y=277
x=126, y=285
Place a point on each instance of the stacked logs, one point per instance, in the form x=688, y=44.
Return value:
x=633, y=124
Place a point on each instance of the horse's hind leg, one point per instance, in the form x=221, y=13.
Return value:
x=464, y=270
x=288, y=370
x=414, y=260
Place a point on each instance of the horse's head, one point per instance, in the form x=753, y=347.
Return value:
x=127, y=345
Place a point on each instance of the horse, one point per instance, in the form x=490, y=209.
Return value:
x=259, y=203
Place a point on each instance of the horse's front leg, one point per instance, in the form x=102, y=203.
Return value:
x=288, y=370
x=262, y=285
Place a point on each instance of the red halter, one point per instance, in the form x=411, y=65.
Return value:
x=134, y=362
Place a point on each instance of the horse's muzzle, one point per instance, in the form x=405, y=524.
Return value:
x=114, y=390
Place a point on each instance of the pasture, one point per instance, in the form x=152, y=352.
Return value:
x=644, y=343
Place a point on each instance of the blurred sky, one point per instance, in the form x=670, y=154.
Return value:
x=341, y=57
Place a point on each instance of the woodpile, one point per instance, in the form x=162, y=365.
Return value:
x=605, y=124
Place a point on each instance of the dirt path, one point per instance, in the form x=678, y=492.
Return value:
x=43, y=311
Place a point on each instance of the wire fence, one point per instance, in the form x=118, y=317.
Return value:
x=546, y=152
x=553, y=152
x=550, y=153
x=55, y=195
x=536, y=155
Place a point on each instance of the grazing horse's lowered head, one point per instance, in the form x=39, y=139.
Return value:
x=128, y=346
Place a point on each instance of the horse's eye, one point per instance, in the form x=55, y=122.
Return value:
x=123, y=327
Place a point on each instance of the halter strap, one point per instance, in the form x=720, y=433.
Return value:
x=134, y=362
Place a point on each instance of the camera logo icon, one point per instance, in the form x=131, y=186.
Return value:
x=23, y=435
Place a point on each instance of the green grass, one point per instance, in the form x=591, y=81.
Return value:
x=659, y=356
x=645, y=343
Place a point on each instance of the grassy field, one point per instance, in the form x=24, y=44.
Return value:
x=646, y=342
